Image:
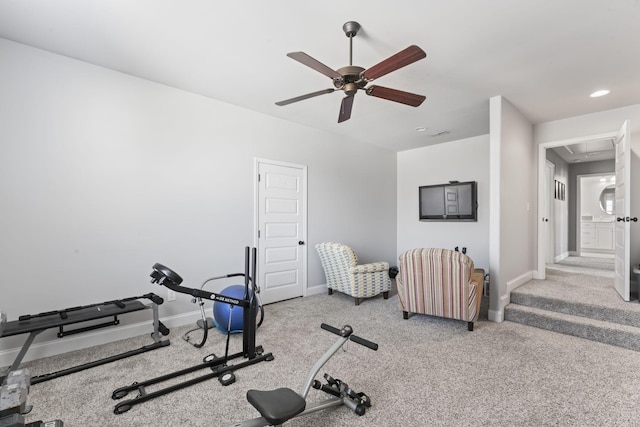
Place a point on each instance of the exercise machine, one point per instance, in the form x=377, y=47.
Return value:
x=34, y=324
x=217, y=365
x=282, y=404
x=219, y=310
x=13, y=401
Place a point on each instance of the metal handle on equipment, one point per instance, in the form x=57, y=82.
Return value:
x=347, y=331
x=362, y=341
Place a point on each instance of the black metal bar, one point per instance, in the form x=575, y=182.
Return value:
x=63, y=372
x=63, y=333
x=127, y=404
x=122, y=391
x=250, y=313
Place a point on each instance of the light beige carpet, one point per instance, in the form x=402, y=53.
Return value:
x=427, y=372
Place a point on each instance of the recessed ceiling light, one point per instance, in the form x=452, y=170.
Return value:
x=421, y=129
x=598, y=93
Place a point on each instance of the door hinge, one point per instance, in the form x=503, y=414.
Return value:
x=258, y=234
x=258, y=177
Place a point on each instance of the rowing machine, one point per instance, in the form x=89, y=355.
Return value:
x=280, y=405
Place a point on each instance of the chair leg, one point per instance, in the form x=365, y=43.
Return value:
x=330, y=291
x=357, y=301
x=385, y=295
x=469, y=326
x=405, y=315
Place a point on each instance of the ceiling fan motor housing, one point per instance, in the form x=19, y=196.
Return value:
x=351, y=79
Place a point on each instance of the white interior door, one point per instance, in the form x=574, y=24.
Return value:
x=623, y=212
x=281, y=223
x=549, y=234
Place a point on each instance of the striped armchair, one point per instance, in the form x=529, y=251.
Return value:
x=439, y=282
x=344, y=275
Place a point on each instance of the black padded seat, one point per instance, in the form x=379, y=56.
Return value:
x=277, y=406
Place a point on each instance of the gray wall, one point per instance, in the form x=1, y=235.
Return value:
x=103, y=174
x=513, y=203
x=462, y=160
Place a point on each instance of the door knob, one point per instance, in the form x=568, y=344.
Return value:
x=620, y=219
x=301, y=242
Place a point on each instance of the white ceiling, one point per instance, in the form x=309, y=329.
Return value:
x=589, y=151
x=544, y=56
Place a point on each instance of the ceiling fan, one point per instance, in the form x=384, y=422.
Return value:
x=351, y=78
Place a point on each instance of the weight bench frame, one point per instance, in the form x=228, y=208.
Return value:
x=35, y=324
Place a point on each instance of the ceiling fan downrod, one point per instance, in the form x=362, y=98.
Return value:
x=350, y=29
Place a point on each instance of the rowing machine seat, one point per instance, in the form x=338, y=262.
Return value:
x=277, y=406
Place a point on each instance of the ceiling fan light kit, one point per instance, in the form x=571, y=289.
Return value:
x=351, y=78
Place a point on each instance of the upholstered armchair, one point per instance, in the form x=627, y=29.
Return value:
x=344, y=275
x=439, y=282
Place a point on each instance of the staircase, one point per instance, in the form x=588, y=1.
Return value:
x=582, y=306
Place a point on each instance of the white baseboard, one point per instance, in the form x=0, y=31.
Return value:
x=93, y=338
x=497, y=315
x=598, y=254
x=518, y=281
x=561, y=257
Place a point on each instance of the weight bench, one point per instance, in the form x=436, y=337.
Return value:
x=35, y=324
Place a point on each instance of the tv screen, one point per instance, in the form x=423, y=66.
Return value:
x=455, y=201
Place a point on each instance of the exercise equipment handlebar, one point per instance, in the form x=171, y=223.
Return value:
x=164, y=276
x=347, y=332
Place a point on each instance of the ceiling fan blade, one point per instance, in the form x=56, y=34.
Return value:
x=395, y=95
x=305, y=59
x=345, y=108
x=303, y=97
x=401, y=59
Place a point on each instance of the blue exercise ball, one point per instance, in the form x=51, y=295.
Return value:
x=222, y=311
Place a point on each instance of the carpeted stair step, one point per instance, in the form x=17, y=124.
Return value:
x=627, y=314
x=595, y=330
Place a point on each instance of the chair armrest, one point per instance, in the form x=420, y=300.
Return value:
x=373, y=267
x=477, y=277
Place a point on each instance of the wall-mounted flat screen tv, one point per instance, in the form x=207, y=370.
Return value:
x=455, y=201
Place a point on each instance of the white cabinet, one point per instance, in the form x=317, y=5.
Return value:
x=604, y=235
x=597, y=235
x=588, y=235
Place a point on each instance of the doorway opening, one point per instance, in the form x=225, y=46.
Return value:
x=566, y=217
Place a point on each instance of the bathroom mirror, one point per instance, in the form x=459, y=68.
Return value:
x=608, y=199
